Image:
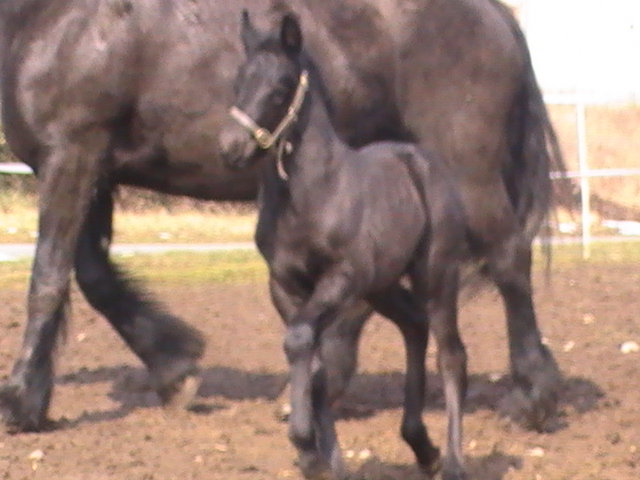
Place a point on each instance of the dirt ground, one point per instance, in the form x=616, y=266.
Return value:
x=110, y=427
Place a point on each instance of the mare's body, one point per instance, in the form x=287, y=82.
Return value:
x=105, y=92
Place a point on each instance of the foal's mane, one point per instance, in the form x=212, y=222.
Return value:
x=316, y=80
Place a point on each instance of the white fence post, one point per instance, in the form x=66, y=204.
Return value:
x=585, y=190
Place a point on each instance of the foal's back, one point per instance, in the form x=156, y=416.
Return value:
x=405, y=204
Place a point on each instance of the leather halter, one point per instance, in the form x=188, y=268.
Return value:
x=263, y=137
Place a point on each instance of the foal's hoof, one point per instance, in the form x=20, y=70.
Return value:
x=15, y=415
x=320, y=470
x=453, y=475
x=453, y=471
x=282, y=412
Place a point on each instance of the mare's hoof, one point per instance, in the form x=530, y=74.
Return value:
x=180, y=395
x=533, y=412
x=14, y=414
x=430, y=471
x=431, y=465
x=534, y=401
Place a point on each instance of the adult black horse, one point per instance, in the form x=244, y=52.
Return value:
x=105, y=92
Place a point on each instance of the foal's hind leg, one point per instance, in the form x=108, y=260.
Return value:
x=167, y=346
x=533, y=367
x=66, y=181
x=441, y=295
x=402, y=308
x=340, y=348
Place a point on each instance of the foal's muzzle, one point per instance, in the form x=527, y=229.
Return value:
x=236, y=147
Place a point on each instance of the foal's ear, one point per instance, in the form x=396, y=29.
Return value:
x=250, y=37
x=291, y=35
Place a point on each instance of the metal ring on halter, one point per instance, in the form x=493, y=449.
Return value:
x=263, y=138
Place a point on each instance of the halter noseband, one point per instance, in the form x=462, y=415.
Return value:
x=263, y=137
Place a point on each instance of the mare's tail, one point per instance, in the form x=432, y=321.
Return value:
x=535, y=151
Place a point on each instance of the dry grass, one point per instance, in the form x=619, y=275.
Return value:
x=160, y=225
x=141, y=217
x=155, y=225
x=238, y=266
x=613, y=141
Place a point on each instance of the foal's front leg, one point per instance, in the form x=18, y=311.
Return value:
x=311, y=425
x=452, y=362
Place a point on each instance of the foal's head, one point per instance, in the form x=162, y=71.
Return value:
x=269, y=91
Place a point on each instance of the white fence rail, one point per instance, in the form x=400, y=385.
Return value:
x=15, y=168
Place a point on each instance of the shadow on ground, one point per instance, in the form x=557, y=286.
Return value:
x=489, y=467
x=368, y=393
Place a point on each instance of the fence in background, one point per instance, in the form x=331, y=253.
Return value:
x=15, y=168
x=585, y=172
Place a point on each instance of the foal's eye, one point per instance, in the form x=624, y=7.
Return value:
x=236, y=85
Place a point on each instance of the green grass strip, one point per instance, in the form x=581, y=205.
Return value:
x=246, y=266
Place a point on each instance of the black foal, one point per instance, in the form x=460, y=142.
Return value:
x=338, y=226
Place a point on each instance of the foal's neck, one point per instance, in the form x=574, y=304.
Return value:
x=318, y=150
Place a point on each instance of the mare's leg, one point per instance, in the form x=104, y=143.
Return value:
x=311, y=424
x=401, y=307
x=165, y=344
x=66, y=180
x=499, y=238
x=533, y=367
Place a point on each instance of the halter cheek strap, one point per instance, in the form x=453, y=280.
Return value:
x=263, y=137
